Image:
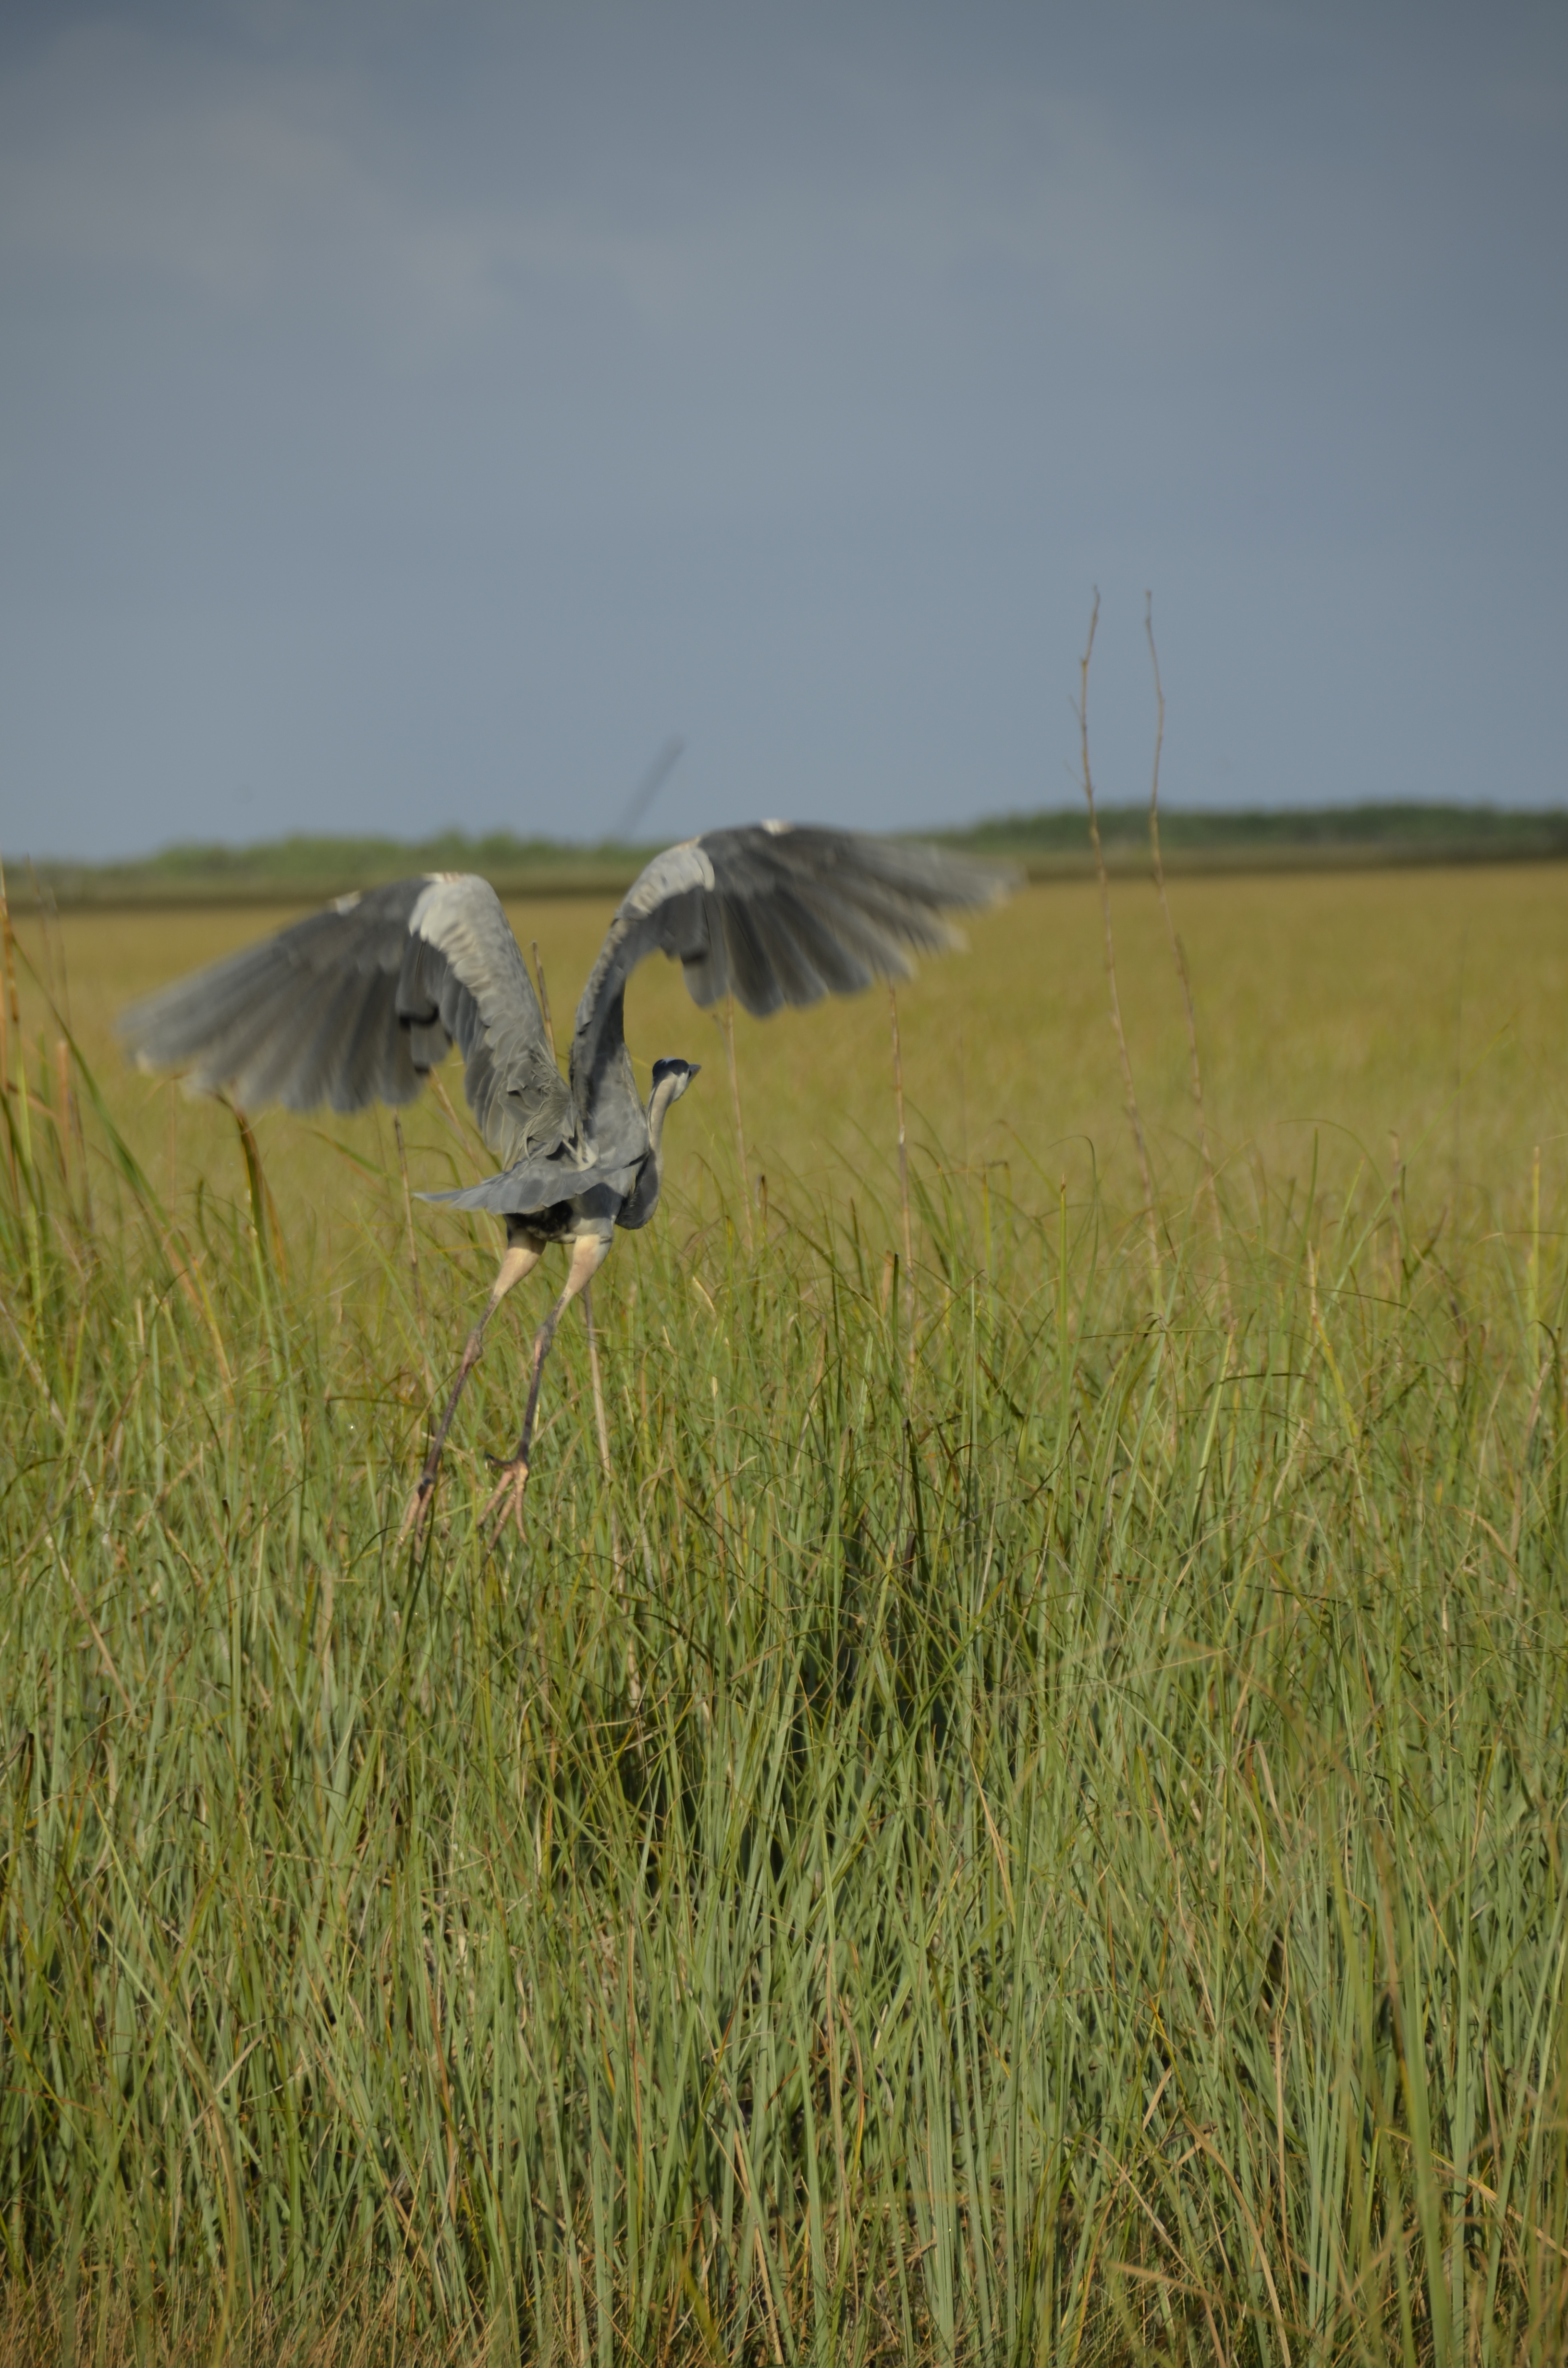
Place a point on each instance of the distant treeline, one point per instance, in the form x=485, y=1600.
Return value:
x=1051, y=844
x=1391, y=833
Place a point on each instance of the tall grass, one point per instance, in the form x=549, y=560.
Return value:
x=1050, y=1850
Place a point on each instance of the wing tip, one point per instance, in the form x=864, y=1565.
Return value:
x=976, y=880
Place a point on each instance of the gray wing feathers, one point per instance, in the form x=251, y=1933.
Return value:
x=777, y=915
x=463, y=957
x=532, y=1186
x=308, y=1017
x=355, y=1004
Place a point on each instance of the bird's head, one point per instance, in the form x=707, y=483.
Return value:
x=680, y=1074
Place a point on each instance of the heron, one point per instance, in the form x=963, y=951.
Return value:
x=361, y=1001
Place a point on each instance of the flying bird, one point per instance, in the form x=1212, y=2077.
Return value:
x=359, y=1002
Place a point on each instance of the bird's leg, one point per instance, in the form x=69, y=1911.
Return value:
x=589, y=1252
x=517, y=1260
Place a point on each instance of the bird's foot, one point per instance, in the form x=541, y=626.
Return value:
x=507, y=1498
x=418, y=1506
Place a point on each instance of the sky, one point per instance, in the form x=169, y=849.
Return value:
x=415, y=414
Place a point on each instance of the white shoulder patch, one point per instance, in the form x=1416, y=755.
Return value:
x=776, y=829
x=441, y=906
x=347, y=904
x=670, y=874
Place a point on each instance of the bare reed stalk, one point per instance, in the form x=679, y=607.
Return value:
x=11, y=1007
x=1134, y=1120
x=595, y=1378
x=41, y=902
x=24, y=1109
x=600, y=1425
x=59, y=1003
x=728, y=1024
x=460, y=1132
x=56, y=995
x=633, y=1680
x=1178, y=955
x=544, y=1001
x=80, y=1133
x=408, y=1218
x=903, y=1170
x=64, y=987
x=7, y=981
x=62, y=1121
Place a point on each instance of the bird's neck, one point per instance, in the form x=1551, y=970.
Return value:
x=644, y=1198
x=663, y=1095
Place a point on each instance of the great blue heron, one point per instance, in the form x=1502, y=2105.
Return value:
x=358, y=1003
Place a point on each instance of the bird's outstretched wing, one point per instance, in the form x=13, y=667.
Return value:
x=773, y=913
x=357, y=1003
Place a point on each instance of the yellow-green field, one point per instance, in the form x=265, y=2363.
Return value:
x=1038, y=1834
x=1426, y=1005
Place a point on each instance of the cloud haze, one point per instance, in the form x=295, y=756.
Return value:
x=414, y=415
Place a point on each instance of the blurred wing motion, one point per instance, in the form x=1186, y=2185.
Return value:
x=358, y=1003
x=773, y=913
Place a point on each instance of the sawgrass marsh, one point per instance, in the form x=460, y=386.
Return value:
x=1024, y=1820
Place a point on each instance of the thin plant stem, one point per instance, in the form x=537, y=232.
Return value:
x=80, y=1132
x=902, y=1169
x=40, y=905
x=1178, y=955
x=444, y=1104
x=24, y=1111
x=12, y=1004
x=62, y=991
x=408, y=1219
x=544, y=1001
x=7, y=976
x=62, y=1121
x=1134, y=1120
x=601, y=1427
x=728, y=1025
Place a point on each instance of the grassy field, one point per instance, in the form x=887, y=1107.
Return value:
x=1027, y=1823
x=1424, y=1005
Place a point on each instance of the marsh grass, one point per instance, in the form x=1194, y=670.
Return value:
x=1047, y=1849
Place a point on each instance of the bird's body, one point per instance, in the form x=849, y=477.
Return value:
x=358, y=1003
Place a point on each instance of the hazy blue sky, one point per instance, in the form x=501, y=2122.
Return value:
x=414, y=413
